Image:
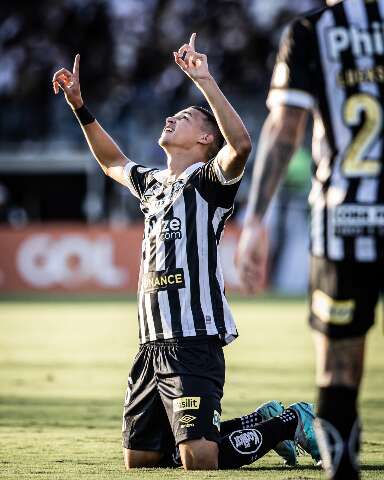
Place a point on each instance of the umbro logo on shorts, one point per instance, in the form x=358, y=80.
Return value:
x=186, y=421
x=246, y=441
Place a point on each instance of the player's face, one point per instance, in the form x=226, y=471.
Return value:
x=182, y=129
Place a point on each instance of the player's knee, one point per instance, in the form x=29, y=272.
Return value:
x=199, y=454
x=339, y=362
x=141, y=459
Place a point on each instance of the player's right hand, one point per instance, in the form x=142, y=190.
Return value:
x=252, y=257
x=70, y=84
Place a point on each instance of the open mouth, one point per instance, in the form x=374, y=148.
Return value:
x=168, y=129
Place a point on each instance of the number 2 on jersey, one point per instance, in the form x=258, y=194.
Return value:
x=354, y=165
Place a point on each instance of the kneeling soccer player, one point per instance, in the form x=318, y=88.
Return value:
x=176, y=382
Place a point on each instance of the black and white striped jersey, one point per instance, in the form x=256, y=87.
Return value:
x=181, y=285
x=332, y=62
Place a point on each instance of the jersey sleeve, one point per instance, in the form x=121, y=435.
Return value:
x=212, y=185
x=137, y=178
x=293, y=75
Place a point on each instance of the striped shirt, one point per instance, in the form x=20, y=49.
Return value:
x=332, y=62
x=181, y=286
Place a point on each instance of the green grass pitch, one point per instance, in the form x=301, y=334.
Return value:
x=64, y=366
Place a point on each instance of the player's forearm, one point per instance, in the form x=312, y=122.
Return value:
x=280, y=137
x=102, y=146
x=229, y=122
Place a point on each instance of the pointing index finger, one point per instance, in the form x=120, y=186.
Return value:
x=76, y=66
x=192, y=41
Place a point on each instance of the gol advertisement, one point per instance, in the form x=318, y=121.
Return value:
x=73, y=259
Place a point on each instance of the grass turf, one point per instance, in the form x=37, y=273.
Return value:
x=63, y=370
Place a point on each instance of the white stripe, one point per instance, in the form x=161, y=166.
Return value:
x=365, y=250
x=202, y=242
x=229, y=321
x=367, y=190
x=147, y=299
x=294, y=98
x=341, y=134
x=317, y=220
x=162, y=295
x=187, y=323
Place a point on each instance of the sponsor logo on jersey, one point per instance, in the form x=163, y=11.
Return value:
x=170, y=229
x=186, y=421
x=163, y=280
x=355, y=220
x=361, y=42
x=216, y=419
x=329, y=310
x=186, y=403
x=246, y=441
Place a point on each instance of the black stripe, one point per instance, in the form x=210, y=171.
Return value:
x=173, y=295
x=144, y=334
x=154, y=300
x=214, y=286
x=325, y=112
x=348, y=62
x=221, y=225
x=193, y=259
x=373, y=14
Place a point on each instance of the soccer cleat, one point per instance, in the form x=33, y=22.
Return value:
x=305, y=434
x=285, y=449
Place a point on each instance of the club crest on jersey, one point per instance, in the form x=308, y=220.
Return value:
x=360, y=41
x=246, y=441
x=163, y=280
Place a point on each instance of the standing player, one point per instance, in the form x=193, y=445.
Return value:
x=176, y=383
x=330, y=64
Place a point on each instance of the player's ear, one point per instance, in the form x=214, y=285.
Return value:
x=206, y=138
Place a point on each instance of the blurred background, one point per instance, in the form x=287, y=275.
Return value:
x=64, y=225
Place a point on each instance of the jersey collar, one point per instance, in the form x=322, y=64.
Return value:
x=162, y=175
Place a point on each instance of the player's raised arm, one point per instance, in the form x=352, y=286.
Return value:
x=233, y=155
x=104, y=149
x=282, y=133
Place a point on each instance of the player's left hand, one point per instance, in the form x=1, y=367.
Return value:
x=252, y=257
x=194, y=64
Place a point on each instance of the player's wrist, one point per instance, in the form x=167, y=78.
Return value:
x=76, y=104
x=83, y=115
x=204, y=81
x=252, y=221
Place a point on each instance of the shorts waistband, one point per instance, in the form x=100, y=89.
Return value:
x=184, y=340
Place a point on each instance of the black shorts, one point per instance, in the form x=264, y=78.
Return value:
x=343, y=296
x=174, y=394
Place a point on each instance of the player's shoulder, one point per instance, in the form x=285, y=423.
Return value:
x=306, y=23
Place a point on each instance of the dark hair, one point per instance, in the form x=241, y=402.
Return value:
x=211, y=123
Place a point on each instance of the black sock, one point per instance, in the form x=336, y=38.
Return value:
x=239, y=423
x=338, y=431
x=244, y=446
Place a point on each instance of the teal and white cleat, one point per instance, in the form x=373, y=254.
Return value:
x=285, y=449
x=305, y=434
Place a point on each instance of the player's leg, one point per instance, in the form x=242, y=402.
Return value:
x=286, y=449
x=147, y=435
x=343, y=300
x=339, y=368
x=190, y=375
x=244, y=446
